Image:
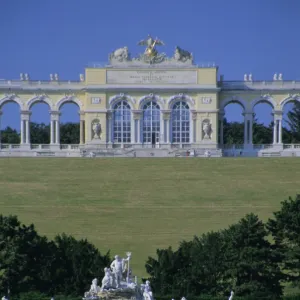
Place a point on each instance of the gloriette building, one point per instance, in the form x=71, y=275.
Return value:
x=149, y=105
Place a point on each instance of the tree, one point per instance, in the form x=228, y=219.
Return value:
x=285, y=229
x=29, y=262
x=24, y=256
x=253, y=263
x=293, y=121
x=78, y=262
x=69, y=133
x=10, y=136
x=39, y=133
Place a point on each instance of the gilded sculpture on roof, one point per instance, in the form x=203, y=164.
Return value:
x=150, y=56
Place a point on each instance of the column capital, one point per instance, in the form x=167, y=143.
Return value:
x=166, y=114
x=194, y=114
x=81, y=115
x=54, y=115
x=137, y=114
x=55, y=112
x=25, y=115
x=109, y=114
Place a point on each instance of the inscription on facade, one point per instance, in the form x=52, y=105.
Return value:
x=151, y=77
x=206, y=100
x=95, y=100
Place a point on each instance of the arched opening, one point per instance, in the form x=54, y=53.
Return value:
x=121, y=122
x=291, y=122
x=151, y=123
x=263, y=123
x=180, y=118
x=39, y=123
x=10, y=121
x=233, y=123
x=69, y=123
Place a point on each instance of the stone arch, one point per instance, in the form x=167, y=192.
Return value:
x=233, y=99
x=181, y=97
x=42, y=98
x=288, y=99
x=151, y=97
x=116, y=98
x=11, y=98
x=68, y=99
x=263, y=99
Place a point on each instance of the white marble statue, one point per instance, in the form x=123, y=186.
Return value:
x=21, y=76
x=207, y=129
x=231, y=295
x=275, y=77
x=280, y=76
x=121, y=54
x=26, y=76
x=182, y=55
x=118, y=267
x=245, y=77
x=147, y=292
x=56, y=76
x=81, y=77
x=97, y=130
x=94, y=290
x=250, y=77
x=107, y=281
x=51, y=77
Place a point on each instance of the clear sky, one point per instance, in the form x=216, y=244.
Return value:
x=62, y=36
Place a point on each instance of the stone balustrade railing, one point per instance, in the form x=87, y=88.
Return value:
x=39, y=147
x=260, y=85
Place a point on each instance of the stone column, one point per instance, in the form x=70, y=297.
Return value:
x=51, y=131
x=248, y=128
x=57, y=136
x=137, y=114
x=162, y=129
x=109, y=118
x=54, y=117
x=27, y=132
x=277, y=132
x=81, y=130
x=280, y=132
x=25, y=128
x=166, y=121
x=132, y=127
x=221, y=119
x=22, y=132
x=192, y=125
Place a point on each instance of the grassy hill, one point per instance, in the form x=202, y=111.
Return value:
x=140, y=205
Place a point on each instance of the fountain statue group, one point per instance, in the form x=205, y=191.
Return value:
x=117, y=283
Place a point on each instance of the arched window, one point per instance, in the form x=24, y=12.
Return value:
x=151, y=122
x=180, y=123
x=122, y=122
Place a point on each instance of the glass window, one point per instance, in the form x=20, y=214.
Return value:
x=122, y=122
x=180, y=122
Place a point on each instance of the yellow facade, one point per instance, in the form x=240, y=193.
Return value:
x=101, y=89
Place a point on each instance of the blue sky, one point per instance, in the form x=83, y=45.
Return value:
x=63, y=36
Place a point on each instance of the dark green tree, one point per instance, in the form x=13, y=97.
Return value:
x=285, y=229
x=39, y=133
x=293, y=120
x=253, y=263
x=79, y=262
x=69, y=133
x=10, y=136
x=24, y=256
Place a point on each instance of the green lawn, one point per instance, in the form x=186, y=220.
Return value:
x=140, y=205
